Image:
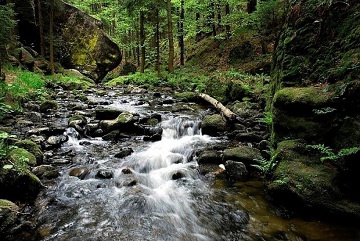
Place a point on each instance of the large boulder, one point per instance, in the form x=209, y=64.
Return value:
x=80, y=42
x=302, y=179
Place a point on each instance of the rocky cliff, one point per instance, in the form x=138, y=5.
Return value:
x=79, y=40
x=315, y=106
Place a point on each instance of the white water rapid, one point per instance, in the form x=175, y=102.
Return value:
x=156, y=193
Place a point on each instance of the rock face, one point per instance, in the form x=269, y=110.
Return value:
x=315, y=102
x=80, y=42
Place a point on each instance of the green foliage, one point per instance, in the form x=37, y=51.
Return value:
x=328, y=154
x=266, y=166
x=7, y=25
x=268, y=118
x=69, y=81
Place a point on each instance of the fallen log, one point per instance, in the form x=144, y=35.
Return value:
x=220, y=107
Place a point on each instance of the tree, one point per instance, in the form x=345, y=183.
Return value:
x=7, y=25
x=170, y=37
x=51, y=33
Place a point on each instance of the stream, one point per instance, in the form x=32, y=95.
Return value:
x=156, y=192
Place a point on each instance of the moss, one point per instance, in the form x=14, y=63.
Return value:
x=33, y=148
x=20, y=155
x=186, y=96
x=308, y=96
x=81, y=53
x=6, y=204
x=48, y=105
x=124, y=118
x=78, y=118
x=242, y=154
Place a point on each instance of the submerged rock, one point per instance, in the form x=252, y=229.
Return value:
x=124, y=152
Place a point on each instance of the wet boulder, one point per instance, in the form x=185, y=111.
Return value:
x=236, y=170
x=244, y=154
x=104, y=174
x=46, y=171
x=210, y=157
x=79, y=172
x=107, y=114
x=212, y=124
x=124, y=122
x=124, y=152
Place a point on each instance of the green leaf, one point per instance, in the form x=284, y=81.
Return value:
x=8, y=166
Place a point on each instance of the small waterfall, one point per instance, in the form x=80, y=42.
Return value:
x=154, y=194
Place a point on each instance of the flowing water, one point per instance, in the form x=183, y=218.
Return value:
x=157, y=193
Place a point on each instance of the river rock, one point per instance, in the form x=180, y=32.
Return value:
x=107, y=114
x=46, y=171
x=236, y=170
x=104, y=174
x=48, y=105
x=177, y=175
x=124, y=152
x=212, y=124
x=123, y=122
x=79, y=172
x=244, y=154
x=56, y=141
x=210, y=157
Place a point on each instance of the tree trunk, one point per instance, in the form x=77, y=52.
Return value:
x=220, y=107
x=181, y=33
x=41, y=29
x=218, y=9
x=251, y=6
x=52, y=65
x=170, y=38
x=157, y=43
x=198, y=27
x=142, y=42
x=227, y=26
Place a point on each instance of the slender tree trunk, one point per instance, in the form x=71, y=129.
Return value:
x=157, y=43
x=142, y=42
x=227, y=26
x=170, y=38
x=251, y=6
x=41, y=29
x=218, y=10
x=181, y=33
x=198, y=27
x=52, y=65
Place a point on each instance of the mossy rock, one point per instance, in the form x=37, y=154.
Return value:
x=33, y=148
x=8, y=218
x=77, y=120
x=48, y=105
x=106, y=114
x=300, y=178
x=348, y=134
x=20, y=155
x=212, y=124
x=186, y=96
x=302, y=98
x=123, y=122
x=244, y=154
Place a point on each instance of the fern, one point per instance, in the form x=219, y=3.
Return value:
x=330, y=155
